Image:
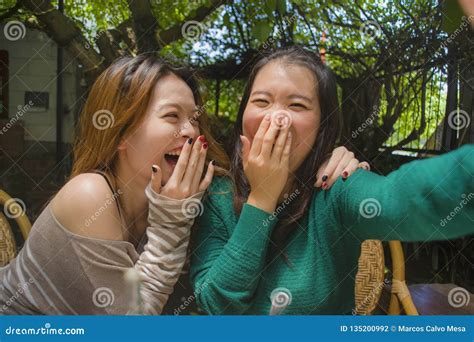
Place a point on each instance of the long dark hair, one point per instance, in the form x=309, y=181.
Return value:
x=328, y=134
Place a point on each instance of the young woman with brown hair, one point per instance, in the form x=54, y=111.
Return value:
x=110, y=217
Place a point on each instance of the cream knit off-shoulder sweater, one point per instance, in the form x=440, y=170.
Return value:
x=58, y=272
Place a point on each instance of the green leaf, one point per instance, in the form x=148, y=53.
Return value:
x=281, y=6
x=270, y=6
x=261, y=30
x=452, y=16
x=226, y=20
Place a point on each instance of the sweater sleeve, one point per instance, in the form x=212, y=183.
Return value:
x=164, y=255
x=226, y=266
x=430, y=199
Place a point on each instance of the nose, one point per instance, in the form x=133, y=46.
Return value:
x=188, y=130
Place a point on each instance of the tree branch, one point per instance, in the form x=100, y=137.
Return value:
x=144, y=25
x=174, y=33
x=65, y=33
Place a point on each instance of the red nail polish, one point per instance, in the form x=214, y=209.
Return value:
x=204, y=145
x=325, y=185
x=201, y=138
x=345, y=174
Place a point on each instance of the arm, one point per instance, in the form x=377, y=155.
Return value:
x=226, y=267
x=413, y=202
x=162, y=260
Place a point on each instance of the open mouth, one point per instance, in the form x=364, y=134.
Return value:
x=172, y=157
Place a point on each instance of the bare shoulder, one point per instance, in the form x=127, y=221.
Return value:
x=86, y=206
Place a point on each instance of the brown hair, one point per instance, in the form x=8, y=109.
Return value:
x=325, y=142
x=117, y=102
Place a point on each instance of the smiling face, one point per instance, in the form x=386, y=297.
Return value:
x=292, y=88
x=171, y=118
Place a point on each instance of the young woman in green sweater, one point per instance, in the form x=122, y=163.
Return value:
x=266, y=228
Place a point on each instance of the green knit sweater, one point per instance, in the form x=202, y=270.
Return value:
x=431, y=199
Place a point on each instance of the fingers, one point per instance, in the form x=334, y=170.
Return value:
x=156, y=178
x=199, y=170
x=193, y=161
x=180, y=167
x=336, y=157
x=350, y=169
x=208, y=177
x=258, y=139
x=343, y=163
x=245, y=149
x=285, y=157
x=364, y=165
x=319, y=175
x=280, y=143
x=269, y=140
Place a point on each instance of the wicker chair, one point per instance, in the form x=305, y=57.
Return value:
x=370, y=280
x=12, y=208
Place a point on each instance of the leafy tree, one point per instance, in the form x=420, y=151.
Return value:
x=390, y=58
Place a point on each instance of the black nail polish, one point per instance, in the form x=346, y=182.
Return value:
x=154, y=169
x=190, y=140
x=325, y=178
x=213, y=162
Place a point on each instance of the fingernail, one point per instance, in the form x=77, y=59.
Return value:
x=201, y=138
x=190, y=140
x=325, y=178
x=345, y=174
x=154, y=168
x=267, y=117
x=204, y=145
x=213, y=162
x=325, y=185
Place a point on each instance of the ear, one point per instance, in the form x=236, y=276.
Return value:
x=122, y=145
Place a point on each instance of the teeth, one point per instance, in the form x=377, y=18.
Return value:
x=174, y=153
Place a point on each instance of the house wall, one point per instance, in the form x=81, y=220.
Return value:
x=32, y=67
